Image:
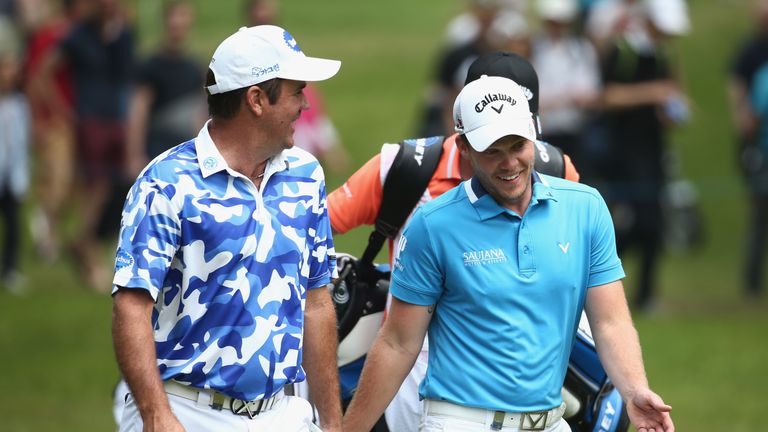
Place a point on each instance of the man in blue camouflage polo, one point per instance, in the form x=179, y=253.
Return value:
x=224, y=255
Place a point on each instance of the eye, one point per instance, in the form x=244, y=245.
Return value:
x=518, y=146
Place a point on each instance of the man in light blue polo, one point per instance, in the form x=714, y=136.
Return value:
x=497, y=270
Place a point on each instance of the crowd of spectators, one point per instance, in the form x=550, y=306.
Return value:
x=88, y=111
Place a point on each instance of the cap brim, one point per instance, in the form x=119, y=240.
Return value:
x=484, y=136
x=310, y=69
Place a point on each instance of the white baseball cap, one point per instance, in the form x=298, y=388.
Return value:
x=558, y=10
x=490, y=108
x=256, y=54
x=669, y=16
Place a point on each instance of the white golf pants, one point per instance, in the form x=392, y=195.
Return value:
x=290, y=414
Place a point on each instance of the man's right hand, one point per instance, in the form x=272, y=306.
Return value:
x=166, y=422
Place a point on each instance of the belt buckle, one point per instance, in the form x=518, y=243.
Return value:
x=241, y=407
x=534, y=421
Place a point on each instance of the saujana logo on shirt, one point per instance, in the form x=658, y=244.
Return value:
x=483, y=257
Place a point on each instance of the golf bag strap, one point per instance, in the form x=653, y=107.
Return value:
x=407, y=179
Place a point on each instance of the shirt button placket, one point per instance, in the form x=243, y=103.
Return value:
x=525, y=250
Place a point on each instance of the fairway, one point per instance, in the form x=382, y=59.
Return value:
x=706, y=348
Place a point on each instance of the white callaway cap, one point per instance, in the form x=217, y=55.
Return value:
x=490, y=108
x=256, y=54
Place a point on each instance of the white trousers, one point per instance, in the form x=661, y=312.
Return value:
x=118, y=401
x=446, y=423
x=290, y=414
x=404, y=412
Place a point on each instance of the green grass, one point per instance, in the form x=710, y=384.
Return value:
x=705, y=349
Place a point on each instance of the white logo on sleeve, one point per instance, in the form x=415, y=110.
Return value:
x=564, y=247
x=400, y=248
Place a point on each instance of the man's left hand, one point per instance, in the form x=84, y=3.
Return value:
x=648, y=412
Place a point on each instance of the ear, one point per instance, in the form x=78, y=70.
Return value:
x=462, y=144
x=256, y=99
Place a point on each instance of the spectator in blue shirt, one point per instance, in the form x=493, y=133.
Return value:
x=14, y=168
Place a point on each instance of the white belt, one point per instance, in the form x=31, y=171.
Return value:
x=525, y=421
x=221, y=401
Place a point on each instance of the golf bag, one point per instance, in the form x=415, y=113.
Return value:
x=593, y=404
x=360, y=295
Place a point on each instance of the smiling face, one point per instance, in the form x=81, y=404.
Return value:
x=282, y=115
x=504, y=170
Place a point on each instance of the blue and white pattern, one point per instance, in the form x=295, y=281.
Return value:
x=291, y=41
x=229, y=266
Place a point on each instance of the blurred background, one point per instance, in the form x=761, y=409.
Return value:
x=106, y=85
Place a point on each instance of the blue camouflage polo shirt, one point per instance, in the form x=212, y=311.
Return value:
x=508, y=290
x=228, y=265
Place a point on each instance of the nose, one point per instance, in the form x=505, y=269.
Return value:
x=304, y=102
x=510, y=160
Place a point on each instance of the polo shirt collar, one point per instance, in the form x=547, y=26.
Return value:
x=211, y=161
x=486, y=205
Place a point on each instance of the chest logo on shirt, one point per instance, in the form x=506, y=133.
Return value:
x=564, y=247
x=483, y=257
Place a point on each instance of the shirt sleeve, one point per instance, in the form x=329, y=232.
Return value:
x=605, y=265
x=759, y=92
x=741, y=67
x=416, y=274
x=145, y=73
x=610, y=65
x=358, y=200
x=150, y=235
x=322, y=257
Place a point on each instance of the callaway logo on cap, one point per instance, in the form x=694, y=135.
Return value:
x=491, y=108
x=256, y=54
x=490, y=98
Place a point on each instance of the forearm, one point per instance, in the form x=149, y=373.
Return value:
x=618, y=346
x=741, y=111
x=135, y=352
x=620, y=96
x=320, y=361
x=138, y=117
x=137, y=128
x=386, y=366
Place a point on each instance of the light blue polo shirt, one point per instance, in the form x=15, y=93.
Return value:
x=509, y=290
x=228, y=265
